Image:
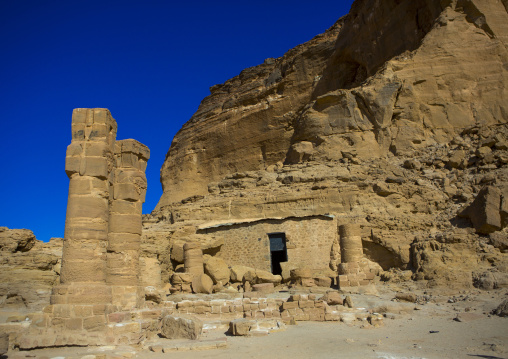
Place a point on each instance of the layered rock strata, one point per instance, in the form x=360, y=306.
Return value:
x=389, y=77
x=246, y=123
x=397, y=120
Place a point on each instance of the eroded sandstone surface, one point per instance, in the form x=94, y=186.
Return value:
x=394, y=119
x=28, y=269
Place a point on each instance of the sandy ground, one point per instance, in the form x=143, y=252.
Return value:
x=423, y=331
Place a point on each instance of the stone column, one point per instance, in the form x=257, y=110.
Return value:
x=100, y=259
x=124, y=239
x=351, y=248
x=88, y=163
x=351, y=252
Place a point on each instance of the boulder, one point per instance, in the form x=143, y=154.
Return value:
x=193, y=258
x=177, y=251
x=181, y=327
x=237, y=272
x=218, y=270
x=323, y=281
x=499, y=240
x=302, y=276
x=458, y=159
x=240, y=327
x=348, y=302
x=485, y=211
x=502, y=309
x=300, y=152
x=490, y=280
x=407, y=297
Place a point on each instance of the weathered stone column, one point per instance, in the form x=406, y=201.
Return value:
x=351, y=248
x=88, y=164
x=124, y=238
x=100, y=259
x=129, y=189
x=351, y=253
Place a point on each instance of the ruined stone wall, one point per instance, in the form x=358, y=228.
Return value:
x=309, y=241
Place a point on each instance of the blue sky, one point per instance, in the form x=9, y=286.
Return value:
x=149, y=62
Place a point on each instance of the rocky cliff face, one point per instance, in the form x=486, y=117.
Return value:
x=247, y=122
x=392, y=76
x=396, y=119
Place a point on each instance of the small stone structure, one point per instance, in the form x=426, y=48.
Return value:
x=100, y=259
x=308, y=240
x=351, y=251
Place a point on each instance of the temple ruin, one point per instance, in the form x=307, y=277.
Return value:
x=357, y=178
x=100, y=258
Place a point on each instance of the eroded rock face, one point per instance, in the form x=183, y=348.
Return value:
x=399, y=77
x=28, y=269
x=246, y=123
x=397, y=122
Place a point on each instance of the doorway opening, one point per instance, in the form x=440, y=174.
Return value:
x=278, y=251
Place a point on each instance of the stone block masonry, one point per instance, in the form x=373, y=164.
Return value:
x=309, y=241
x=351, y=274
x=124, y=237
x=100, y=259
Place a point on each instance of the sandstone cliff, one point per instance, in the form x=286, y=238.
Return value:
x=247, y=122
x=392, y=76
x=395, y=118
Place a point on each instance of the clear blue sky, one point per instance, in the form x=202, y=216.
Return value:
x=149, y=62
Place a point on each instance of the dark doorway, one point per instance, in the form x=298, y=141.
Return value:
x=278, y=251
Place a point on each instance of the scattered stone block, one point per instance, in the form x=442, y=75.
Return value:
x=407, y=297
x=267, y=277
x=263, y=288
x=181, y=327
x=323, y=282
x=237, y=272
x=202, y=284
x=333, y=298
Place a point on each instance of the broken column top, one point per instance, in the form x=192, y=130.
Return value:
x=91, y=116
x=131, y=154
x=93, y=124
x=132, y=146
